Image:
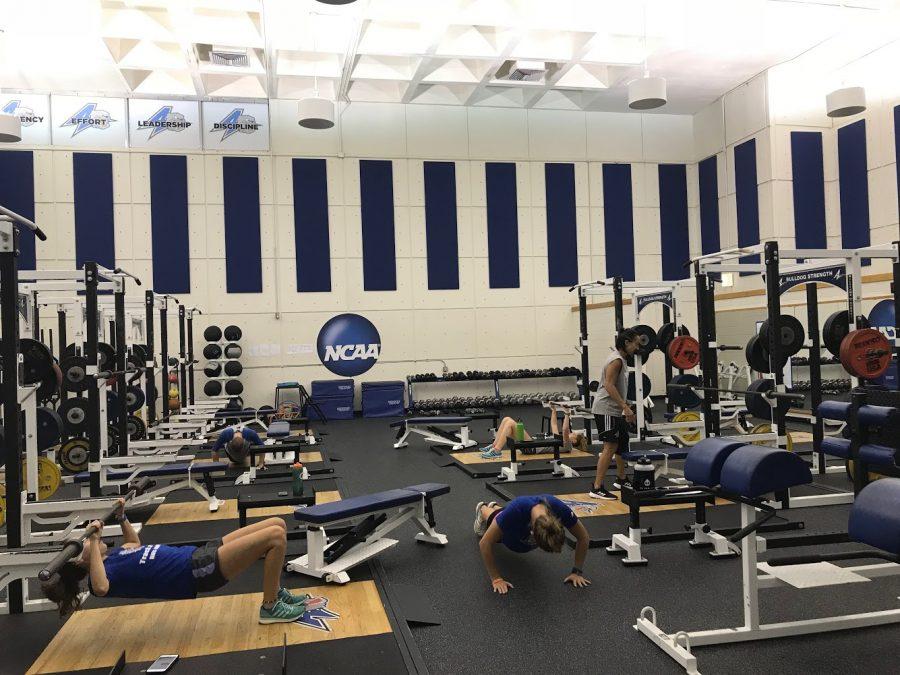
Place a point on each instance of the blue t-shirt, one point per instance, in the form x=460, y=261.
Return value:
x=226, y=435
x=515, y=520
x=151, y=571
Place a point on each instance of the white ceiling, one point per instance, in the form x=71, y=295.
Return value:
x=413, y=51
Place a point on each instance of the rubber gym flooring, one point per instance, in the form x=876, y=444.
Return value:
x=541, y=623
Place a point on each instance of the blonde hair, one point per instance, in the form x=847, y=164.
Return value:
x=580, y=442
x=548, y=532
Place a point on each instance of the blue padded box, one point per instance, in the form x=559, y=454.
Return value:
x=332, y=388
x=333, y=408
x=383, y=399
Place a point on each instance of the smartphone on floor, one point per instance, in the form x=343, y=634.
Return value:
x=163, y=663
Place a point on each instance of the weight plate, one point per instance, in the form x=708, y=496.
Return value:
x=134, y=399
x=233, y=368
x=212, y=334
x=866, y=353
x=792, y=335
x=74, y=455
x=212, y=388
x=759, y=406
x=37, y=361
x=74, y=371
x=74, y=414
x=112, y=406
x=234, y=387
x=756, y=355
x=136, y=428
x=212, y=352
x=106, y=356
x=49, y=427
x=836, y=328
x=767, y=429
x=232, y=333
x=70, y=350
x=212, y=369
x=666, y=334
x=233, y=351
x=685, y=398
x=139, y=353
x=49, y=477
x=688, y=437
x=51, y=384
x=646, y=338
x=684, y=352
x=645, y=384
x=112, y=440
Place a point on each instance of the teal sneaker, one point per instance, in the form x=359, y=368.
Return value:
x=281, y=612
x=490, y=453
x=285, y=596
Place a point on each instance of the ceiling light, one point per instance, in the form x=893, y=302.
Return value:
x=845, y=102
x=647, y=93
x=10, y=129
x=316, y=113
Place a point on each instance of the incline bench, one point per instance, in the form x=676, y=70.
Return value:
x=329, y=561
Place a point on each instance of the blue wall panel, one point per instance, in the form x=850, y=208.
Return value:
x=17, y=194
x=95, y=230
x=808, y=174
x=441, y=244
x=562, y=231
x=710, y=236
x=618, y=221
x=169, y=224
x=746, y=196
x=502, y=224
x=853, y=183
x=243, y=248
x=311, y=237
x=376, y=186
x=673, y=220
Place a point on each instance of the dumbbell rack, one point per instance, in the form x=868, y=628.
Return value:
x=495, y=380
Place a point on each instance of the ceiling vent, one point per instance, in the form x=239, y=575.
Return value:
x=522, y=71
x=234, y=57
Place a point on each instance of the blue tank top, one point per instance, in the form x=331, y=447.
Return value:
x=151, y=571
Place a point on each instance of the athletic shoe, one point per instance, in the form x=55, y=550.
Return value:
x=620, y=483
x=601, y=493
x=285, y=596
x=479, y=520
x=486, y=448
x=490, y=453
x=281, y=612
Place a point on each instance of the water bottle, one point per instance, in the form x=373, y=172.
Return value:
x=297, y=479
x=520, y=431
x=644, y=474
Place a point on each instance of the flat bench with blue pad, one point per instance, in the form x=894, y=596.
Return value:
x=179, y=469
x=383, y=512
x=429, y=427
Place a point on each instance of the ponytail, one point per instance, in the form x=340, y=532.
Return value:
x=626, y=335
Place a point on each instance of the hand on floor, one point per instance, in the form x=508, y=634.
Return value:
x=501, y=586
x=577, y=581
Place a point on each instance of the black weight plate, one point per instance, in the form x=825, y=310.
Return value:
x=70, y=350
x=234, y=387
x=792, y=334
x=112, y=440
x=667, y=333
x=758, y=406
x=112, y=406
x=647, y=339
x=212, y=352
x=74, y=371
x=212, y=369
x=106, y=356
x=37, y=361
x=232, y=333
x=134, y=399
x=757, y=356
x=136, y=428
x=685, y=398
x=212, y=334
x=836, y=328
x=139, y=352
x=646, y=384
x=49, y=427
x=233, y=351
x=74, y=412
x=233, y=368
x=212, y=388
x=74, y=455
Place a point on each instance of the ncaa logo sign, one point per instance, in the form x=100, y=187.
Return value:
x=348, y=345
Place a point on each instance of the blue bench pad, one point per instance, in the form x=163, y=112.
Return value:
x=836, y=447
x=754, y=470
x=875, y=516
x=443, y=419
x=869, y=415
x=705, y=459
x=168, y=470
x=364, y=504
x=279, y=429
x=656, y=453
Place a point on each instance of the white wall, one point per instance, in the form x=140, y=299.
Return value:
x=474, y=327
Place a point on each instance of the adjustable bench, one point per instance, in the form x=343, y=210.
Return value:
x=383, y=511
x=429, y=428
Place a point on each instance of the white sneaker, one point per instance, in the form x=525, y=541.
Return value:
x=479, y=520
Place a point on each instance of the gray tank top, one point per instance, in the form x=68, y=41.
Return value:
x=603, y=403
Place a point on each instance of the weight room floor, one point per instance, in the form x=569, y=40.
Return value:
x=541, y=621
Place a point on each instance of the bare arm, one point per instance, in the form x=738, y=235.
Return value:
x=554, y=422
x=131, y=539
x=491, y=537
x=583, y=540
x=99, y=582
x=609, y=383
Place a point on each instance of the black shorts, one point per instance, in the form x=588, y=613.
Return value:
x=613, y=429
x=205, y=567
x=490, y=518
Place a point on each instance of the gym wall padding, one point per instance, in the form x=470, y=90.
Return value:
x=95, y=229
x=562, y=230
x=502, y=224
x=897, y=151
x=441, y=238
x=708, y=176
x=311, y=237
x=376, y=191
x=618, y=221
x=17, y=194
x=673, y=220
x=746, y=197
x=169, y=224
x=243, y=247
x=808, y=173
x=853, y=185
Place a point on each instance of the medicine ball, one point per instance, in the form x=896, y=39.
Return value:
x=212, y=369
x=212, y=334
x=232, y=333
x=234, y=387
x=233, y=351
x=235, y=403
x=233, y=368
x=212, y=352
x=212, y=388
